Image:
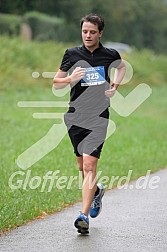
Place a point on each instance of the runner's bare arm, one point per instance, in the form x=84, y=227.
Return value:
x=119, y=74
x=118, y=77
x=62, y=79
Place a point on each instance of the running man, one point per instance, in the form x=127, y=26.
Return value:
x=86, y=69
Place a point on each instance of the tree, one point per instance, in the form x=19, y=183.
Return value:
x=139, y=23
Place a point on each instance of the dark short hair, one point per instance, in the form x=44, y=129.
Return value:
x=94, y=19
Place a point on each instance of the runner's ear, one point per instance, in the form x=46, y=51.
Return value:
x=100, y=34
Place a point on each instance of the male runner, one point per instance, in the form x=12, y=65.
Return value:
x=86, y=69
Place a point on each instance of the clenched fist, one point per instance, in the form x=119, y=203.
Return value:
x=77, y=74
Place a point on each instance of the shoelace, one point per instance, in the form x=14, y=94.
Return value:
x=95, y=203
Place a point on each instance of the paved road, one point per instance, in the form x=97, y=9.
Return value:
x=132, y=220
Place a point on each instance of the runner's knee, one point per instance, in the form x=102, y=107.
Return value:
x=89, y=166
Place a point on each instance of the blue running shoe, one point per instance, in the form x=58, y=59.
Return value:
x=96, y=205
x=82, y=224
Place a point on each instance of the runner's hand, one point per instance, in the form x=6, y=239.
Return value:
x=110, y=92
x=77, y=74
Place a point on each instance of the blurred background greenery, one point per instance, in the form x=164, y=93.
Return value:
x=142, y=24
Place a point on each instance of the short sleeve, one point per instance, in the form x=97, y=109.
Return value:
x=66, y=64
x=117, y=58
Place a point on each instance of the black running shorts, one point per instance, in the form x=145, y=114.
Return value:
x=87, y=132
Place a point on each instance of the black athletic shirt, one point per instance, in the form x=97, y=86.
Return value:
x=89, y=99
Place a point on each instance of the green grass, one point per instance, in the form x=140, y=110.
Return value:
x=139, y=143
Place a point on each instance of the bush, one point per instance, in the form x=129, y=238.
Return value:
x=10, y=24
x=45, y=27
x=148, y=67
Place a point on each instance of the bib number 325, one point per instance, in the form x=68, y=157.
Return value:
x=93, y=76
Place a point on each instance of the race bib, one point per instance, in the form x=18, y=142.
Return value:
x=93, y=76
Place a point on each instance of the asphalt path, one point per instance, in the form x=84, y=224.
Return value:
x=132, y=220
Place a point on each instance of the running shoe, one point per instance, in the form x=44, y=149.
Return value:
x=82, y=224
x=96, y=205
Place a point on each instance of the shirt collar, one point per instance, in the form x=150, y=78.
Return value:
x=100, y=46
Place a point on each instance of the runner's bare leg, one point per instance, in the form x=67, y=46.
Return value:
x=89, y=183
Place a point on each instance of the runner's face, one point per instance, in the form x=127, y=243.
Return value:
x=90, y=35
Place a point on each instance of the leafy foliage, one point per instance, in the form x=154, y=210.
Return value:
x=44, y=27
x=139, y=23
x=9, y=24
